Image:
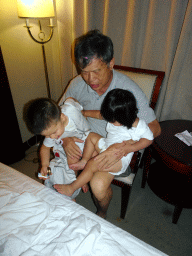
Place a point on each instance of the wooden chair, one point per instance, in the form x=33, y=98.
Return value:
x=150, y=82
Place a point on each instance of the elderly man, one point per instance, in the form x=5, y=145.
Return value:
x=94, y=57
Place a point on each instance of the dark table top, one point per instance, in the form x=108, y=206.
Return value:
x=173, y=146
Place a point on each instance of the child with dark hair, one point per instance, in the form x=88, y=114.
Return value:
x=119, y=109
x=43, y=116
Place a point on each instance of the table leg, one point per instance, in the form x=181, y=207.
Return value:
x=177, y=212
x=146, y=162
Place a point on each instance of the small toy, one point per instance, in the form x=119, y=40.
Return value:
x=48, y=174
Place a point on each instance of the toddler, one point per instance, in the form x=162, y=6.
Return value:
x=45, y=117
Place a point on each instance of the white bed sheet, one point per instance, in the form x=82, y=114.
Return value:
x=35, y=220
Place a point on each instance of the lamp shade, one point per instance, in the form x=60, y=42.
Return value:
x=35, y=8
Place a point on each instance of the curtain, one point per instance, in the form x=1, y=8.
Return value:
x=149, y=34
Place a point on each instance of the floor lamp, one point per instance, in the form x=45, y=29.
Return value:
x=38, y=9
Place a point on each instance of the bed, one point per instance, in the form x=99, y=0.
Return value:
x=35, y=220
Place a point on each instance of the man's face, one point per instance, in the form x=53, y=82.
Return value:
x=98, y=75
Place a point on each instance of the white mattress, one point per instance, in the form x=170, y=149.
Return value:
x=35, y=220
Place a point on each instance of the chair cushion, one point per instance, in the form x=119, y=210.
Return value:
x=145, y=81
x=127, y=180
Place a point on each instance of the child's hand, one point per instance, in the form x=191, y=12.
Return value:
x=44, y=170
x=43, y=173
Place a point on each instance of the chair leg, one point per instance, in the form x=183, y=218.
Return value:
x=142, y=161
x=146, y=161
x=136, y=167
x=125, y=193
x=176, y=214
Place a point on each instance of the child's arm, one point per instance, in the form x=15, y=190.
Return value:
x=45, y=158
x=72, y=99
x=133, y=146
x=138, y=145
x=116, y=151
x=89, y=113
x=92, y=113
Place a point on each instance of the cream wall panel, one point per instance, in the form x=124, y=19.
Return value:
x=24, y=62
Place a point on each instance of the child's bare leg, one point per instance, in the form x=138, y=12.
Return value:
x=70, y=161
x=85, y=187
x=80, y=165
x=89, y=149
x=84, y=177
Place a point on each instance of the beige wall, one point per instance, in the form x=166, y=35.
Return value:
x=24, y=62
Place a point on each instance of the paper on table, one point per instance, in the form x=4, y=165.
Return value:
x=186, y=137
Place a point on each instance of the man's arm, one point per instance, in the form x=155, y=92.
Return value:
x=92, y=113
x=155, y=128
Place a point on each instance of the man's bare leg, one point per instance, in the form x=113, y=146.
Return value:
x=103, y=205
x=102, y=191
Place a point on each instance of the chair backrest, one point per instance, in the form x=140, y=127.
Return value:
x=148, y=80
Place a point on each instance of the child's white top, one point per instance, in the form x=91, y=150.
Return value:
x=118, y=134
x=77, y=125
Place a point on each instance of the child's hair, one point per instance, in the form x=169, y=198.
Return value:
x=119, y=105
x=40, y=113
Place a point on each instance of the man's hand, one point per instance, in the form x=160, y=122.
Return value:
x=113, y=154
x=110, y=156
x=71, y=149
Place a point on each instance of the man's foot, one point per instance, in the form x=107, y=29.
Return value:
x=85, y=188
x=102, y=214
x=78, y=166
x=64, y=189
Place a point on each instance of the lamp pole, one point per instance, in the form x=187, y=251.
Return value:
x=42, y=41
